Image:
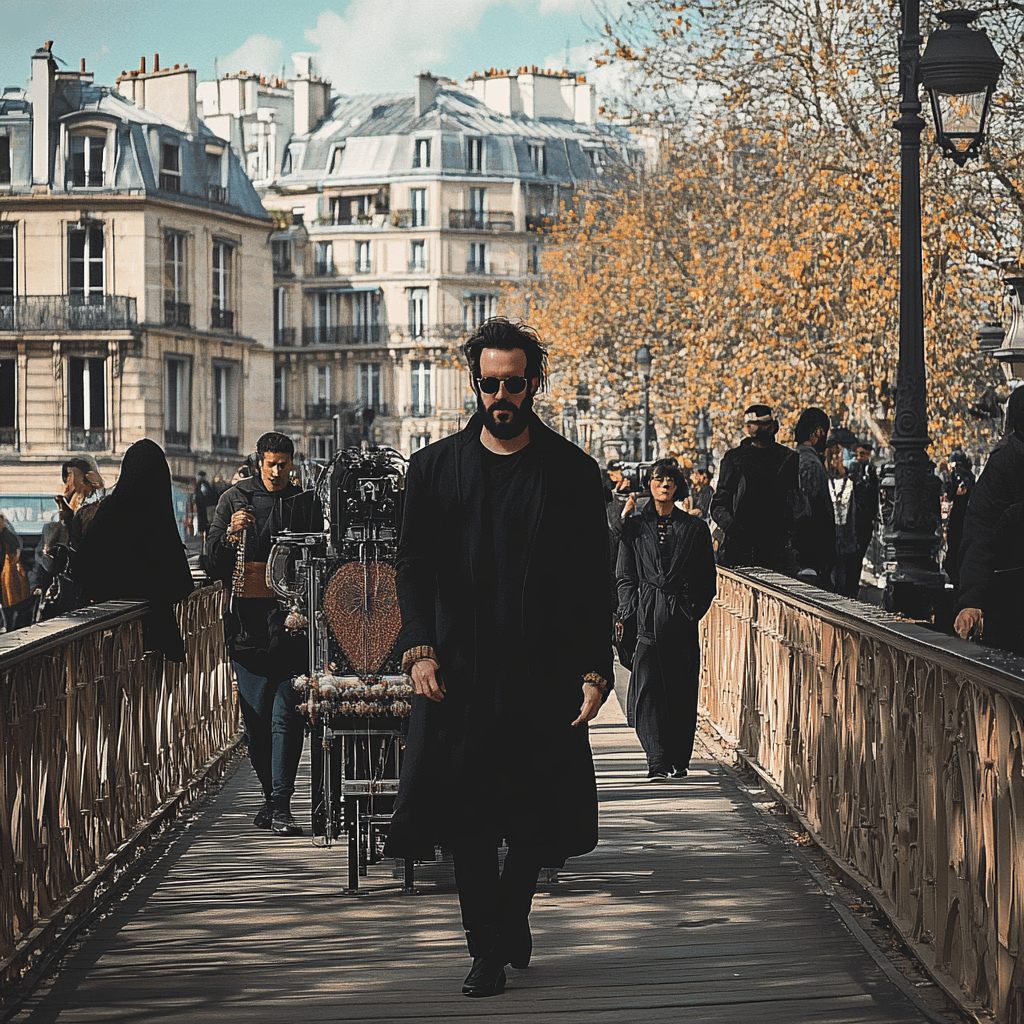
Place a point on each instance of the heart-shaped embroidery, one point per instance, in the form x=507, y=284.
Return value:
x=361, y=603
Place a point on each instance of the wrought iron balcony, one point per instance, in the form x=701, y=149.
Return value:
x=170, y=182
x=423, y=409
x=177, y=314
x=227, y=443
x=540, y=221
x=482, y=220
x=222, y=319
x=346, y=334
x=88, y=439
x=324, y=410
x=409, y=218
x=80, y=178
x=29, y=313
x=477, y=267
x=180, y=439
x=284, y=336
x=217, y=194
x=283, y=268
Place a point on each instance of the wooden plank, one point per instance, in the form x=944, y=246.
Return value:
x=689, y=909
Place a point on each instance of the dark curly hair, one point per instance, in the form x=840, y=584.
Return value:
x=501, y=333
x=273, y=441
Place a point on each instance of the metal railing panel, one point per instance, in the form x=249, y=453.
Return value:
x=97, y=738
x=899, y=748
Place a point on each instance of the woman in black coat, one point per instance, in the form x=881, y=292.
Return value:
x=667, y=579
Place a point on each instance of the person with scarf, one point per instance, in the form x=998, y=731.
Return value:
x=849, y=559
x=667, y=580
x=132, y=549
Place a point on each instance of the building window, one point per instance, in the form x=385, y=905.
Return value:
x=321, y=447
x=87, y=160
x=282, y=256
x=538, y=157
x=87, y=402
x=177, y=401
x=85, y=263
x=363, y=264
x=170, y=167
x=477, y=206
x=597, y=160
x=222, y=314
x=337, y=155
x=216, y=191
x=325, y=318
x=177, y=310
x=421, y=405
x=323, y=260
x=418, y=203
x=364, y=318
x=477, y=258
x=418, y=312
x=321, y=385
x=368, y=386
x=421, y=153
x=418, y=255
x=5, y=160
x=283, y=334
x=225, y=406
x=8, y=277
x=280, y=391
x=478, y=308
x=351, y=209
x=418, y=441
x=476, y=154
x=8, y=402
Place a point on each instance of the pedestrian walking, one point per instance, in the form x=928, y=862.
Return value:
x=667, y=581
x=843, y=496
x=264, y=659
x=698, y=501
x=1000, y=485
x=16, y=603
x=203, y=497
x=132, y=549
x=753, y=503
x=866, y=494
x=815, y=530
x=958, y=496
x=502, y=578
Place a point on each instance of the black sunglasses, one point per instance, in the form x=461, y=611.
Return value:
x=513, y=385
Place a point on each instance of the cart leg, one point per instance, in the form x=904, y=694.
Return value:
x=352, y=821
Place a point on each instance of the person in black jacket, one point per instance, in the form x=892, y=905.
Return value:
x=1000, y=485
x=814, y=534
x=667, y=579
x=502, y=576
x=249, y=513
x=753, y=503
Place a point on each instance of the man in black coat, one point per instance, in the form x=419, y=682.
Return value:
x=1000, y=485
x=864, y=477
x=502, y=577
x=814, y=534
x=753, y=503
x=264, y=658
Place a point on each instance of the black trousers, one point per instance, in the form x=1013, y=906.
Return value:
x=494, y=903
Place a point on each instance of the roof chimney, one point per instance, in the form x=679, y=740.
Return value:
x=426, y=92
x=41, y=94
x=142, y=65
x=83, y=65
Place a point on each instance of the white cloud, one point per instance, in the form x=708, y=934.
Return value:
x=610, y=81
x=379, y=46
x=259, y=54
x=590, y=10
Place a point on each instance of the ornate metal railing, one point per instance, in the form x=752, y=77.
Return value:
x=100, y=741
x=69, y=313
x=902, y=752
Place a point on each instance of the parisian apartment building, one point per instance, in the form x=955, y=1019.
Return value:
x=401, y=223
x=136, y=287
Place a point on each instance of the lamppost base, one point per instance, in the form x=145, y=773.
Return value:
x=920, y=595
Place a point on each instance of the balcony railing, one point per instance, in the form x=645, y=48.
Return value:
x=540, y=221
x=417, y=266
x=222, y=319
x=423, y=409
x=284, y=336
x=346, y=222
x=227, y=443
x=283, y=268
x=482, y=220
x=347, y=334
x=170, y=182
x=217, y=194
x=409, y=218
x=81, y=179
x=321, y=268
x=177, y=314
x=180, y=439
x=88, y=439
x=8, y=437
x=323, y=410
x=476, y=267
x=69, y=313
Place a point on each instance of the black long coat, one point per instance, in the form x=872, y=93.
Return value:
x=566, y=617
x=668, y=605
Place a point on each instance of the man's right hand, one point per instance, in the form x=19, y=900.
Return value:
x=970, y=619
x=242, y=520
x=426, y=680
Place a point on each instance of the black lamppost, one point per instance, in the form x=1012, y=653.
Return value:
x=702, y=432
x=643, y=365
x=959, y=68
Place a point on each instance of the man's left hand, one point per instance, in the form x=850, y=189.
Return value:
x=591, y=704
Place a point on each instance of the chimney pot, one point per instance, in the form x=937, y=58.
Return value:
x=142, y=65
x=156, y=63
x=83, y=65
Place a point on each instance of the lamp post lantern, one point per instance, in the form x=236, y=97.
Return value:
x=643, y=364
x=1011, y=352
x=702, y=432
x=958, y=65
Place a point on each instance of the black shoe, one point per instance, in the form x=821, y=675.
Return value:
x=680, y=773
x=283, y=824
x=657, y=775
x=487, y=977
x=264, y=815
x=519, y=946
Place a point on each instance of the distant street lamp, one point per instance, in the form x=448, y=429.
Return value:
x=703, y=434
x=643, y=365
x=1011, y=352
x=959, y=68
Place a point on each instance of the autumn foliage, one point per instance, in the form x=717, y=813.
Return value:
x=758, y=253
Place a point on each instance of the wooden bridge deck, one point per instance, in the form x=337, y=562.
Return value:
x=691, y=909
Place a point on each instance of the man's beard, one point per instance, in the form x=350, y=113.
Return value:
x=763, y=435
x=518, y=422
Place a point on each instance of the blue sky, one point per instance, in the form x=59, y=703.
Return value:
x=360, y=45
